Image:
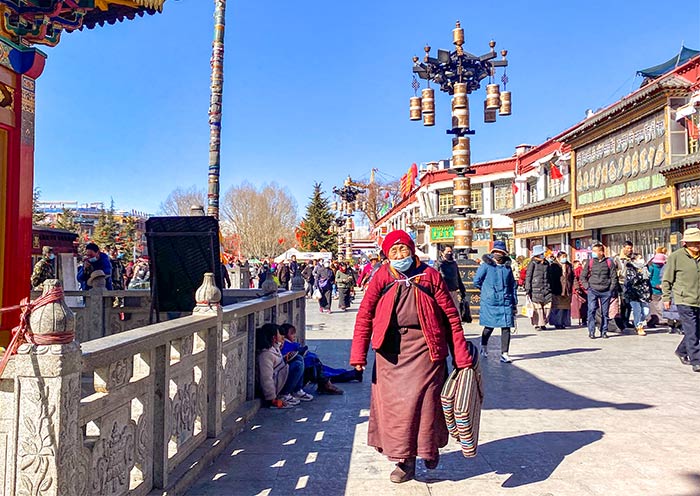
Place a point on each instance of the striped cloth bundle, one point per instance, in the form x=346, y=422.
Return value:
x=462, y=397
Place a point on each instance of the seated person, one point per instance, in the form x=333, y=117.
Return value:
x=314, y=370
x=281, y=377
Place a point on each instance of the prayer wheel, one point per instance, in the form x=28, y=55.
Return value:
x=416, y=108
x=428, y=119
x=462, y=193
x=428, y=101
x=489, y=114
x=460, y=118
x=493, y=97
x=461, y=153
x=463, y=233
x=458, y=35
x=460, y=96
x=505, y=103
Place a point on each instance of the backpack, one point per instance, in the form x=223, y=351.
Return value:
x=590, y=265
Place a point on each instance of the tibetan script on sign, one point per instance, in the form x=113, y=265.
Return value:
x=623, y=163
x=550, y=222
x=688, y=195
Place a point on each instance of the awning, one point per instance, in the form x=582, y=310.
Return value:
x=659, y=70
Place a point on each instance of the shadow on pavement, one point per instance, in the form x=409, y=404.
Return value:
x=553, y=353
x=528, y=459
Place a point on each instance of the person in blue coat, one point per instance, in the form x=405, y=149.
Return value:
x=499, y=299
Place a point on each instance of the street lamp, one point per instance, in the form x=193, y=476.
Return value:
x=349, y=195
x=459, y=73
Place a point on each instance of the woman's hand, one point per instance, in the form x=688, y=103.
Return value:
x=359, y=368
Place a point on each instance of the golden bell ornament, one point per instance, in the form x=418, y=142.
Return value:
x=460, y=88
x=428, y=100
x=428, y=119
x=460, y=118
x=461, y=153
x=458, y=35
x=505, y=104
x=462, y=192
x=489, y=114
x=493, y=96
x=416, y=108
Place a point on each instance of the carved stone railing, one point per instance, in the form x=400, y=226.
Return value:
x=134, y=411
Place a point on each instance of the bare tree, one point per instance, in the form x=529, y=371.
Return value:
x=264, y=219
x=180, y=200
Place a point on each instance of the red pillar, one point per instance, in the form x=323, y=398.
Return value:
x=17, y=171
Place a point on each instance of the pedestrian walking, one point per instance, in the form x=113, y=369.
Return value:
x=344, y=281
x=538, y=288
x=623, y=304
x=44, y=268
x=325, y=279
x=579, y=298
x=599, y=278
x=308, y=274
x=638, y=291
x=681, y=282
x=284, y=275
x=499, y=298
x=562, y=283
x=409, y=317
x=656, y=272
x=449, y=270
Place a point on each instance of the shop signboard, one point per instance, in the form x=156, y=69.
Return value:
x=442, y=233
x=688, y=195
x=556, y=221
x=623, y=163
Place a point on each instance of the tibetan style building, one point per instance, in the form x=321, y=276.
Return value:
x=24, y=25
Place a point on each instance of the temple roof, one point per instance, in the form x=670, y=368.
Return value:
x=110, y=12
x=679, y=59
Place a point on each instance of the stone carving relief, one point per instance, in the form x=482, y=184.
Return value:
x=186, y=406
x=234, y=376
x=113, y=458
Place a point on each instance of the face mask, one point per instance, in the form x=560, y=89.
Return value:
x=499, y=257
x=93, y=259
x=449, y=256
x=563, y=260
x=551, y=259
x=594, y=255
x=404, y=264
x=52, y=256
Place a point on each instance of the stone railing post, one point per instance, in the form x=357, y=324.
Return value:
x=49, y=458
x=95, y=306
x=208, y=298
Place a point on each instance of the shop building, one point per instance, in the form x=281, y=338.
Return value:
x=619, y=191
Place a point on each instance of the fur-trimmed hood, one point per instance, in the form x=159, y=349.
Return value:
x=488, y=259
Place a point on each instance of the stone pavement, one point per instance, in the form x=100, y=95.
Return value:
x=570, y=416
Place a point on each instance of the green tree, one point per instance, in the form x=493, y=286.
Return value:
x=128, y=235
x=38, y=216
x=106, y=228
x=315, y=228
x=66, y=220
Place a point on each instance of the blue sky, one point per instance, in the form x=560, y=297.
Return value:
x=315, y=90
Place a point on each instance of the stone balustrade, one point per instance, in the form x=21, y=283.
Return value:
x=136, y=411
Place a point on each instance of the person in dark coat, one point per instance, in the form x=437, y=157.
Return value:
x=499, y=297
x=324, y=283
x=284, y=275
x=449, y=270
x=562, y=283
x=538, y=287
x=599, y=278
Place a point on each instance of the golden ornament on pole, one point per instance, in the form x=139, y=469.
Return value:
x=416, y=108
x=493, y=97
x=505, y=108
x=489, y=114
x=461, y=153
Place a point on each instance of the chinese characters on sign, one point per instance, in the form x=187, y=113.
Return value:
x=550, y=222
x=688, y=195
x=623, y=163
x=442, y=233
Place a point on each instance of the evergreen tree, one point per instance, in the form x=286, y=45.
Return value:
x=38, y=216
x=67, y=221
x=128, y=236
x=106, y=229
x=315, y=230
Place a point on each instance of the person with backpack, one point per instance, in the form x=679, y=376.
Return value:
x=638, y=291
x=410, y=320
x=499, y=298
x=324, y=284
x=599, y=279
x=538, y=287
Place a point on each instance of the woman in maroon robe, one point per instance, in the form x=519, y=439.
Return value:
x=408, y=316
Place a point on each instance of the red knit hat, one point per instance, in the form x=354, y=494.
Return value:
x=398, y=237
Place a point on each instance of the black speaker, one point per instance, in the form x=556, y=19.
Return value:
x=181, y=250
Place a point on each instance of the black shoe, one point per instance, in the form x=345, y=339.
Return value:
x=696, y=367
x=591, y=335
x=683, y=358
x=604, y=335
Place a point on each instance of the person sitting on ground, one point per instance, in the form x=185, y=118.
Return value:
x=281, y=376
x=314, y=370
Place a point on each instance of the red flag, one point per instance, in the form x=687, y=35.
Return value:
x=414, y=173
x=515, y=188
x=386, y=195
x=693, y=131
x=555, y=173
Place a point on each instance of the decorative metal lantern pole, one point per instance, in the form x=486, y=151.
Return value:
x=459, y=73
x=215, y=104
x=348, y=195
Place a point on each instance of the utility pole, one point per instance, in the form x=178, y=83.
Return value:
x=215, y=104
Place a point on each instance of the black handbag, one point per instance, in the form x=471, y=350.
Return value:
x=465, y=311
